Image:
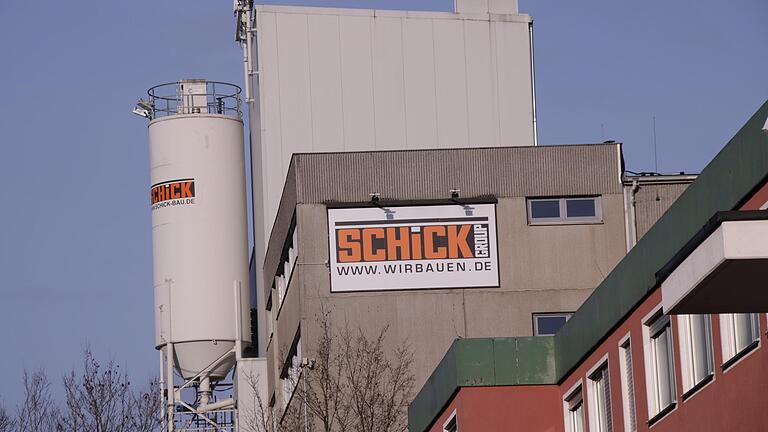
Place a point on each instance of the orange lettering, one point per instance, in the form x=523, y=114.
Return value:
x=416, y=245
x=457, y=241
x=430, y=234
x=186, y=190
x=348, y=245
x=175, y=190
x=369, y=253
x=395, y=242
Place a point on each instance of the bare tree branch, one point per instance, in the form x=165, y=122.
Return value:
x=257, y=417
x=145, y=408
x=354, y=383
x=38, y=412
x=99, y=400
x=7, y=424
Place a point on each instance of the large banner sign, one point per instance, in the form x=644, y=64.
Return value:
x=397, y=248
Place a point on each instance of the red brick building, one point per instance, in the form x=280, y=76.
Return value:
x=671, y=340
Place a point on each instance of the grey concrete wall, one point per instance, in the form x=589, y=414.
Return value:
x=652, y=200
x=543, y=269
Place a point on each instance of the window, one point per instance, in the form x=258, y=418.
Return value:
x=695, y=333
x=659, y=365
x=627, y=385
x=600, y=400
x=739, y=333
x=547, y=324
x=573, y=405
x=450, y=425
x=564, y=210
x=291, y=372
x=285, y=270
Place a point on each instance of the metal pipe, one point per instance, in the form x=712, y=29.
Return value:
x=238, y=321
x=304, y=400
x=246, y=45
x=632, y=212
x=205, y=390
x=226, y=403
x=161, y=384
x=533, y=84
x=249, y=47
x=245, y=72
x=170, y=391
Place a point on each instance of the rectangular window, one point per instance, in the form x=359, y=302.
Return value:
x=291, y=372
x=600, y=400
x=285, y=270
x=739, y=333
x=573, y=406
x=564, y=210
x=451, y=425
x=659, y=365
x=547, y=324
x=627, y=385
x=696, y=362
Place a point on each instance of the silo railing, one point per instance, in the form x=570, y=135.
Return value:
x=194, y=97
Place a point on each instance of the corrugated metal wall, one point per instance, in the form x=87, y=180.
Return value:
x=431, y=174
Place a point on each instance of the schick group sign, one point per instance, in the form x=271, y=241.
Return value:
x=420, y=247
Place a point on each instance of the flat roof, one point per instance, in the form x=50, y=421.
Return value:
x=392, y=13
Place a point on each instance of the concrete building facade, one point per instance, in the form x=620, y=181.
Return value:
x=672, y=339
x=544, y=267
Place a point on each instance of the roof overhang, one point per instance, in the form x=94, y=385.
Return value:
x=723, y=269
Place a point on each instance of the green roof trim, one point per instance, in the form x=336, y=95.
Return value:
x=725, y=183
x=483, y=362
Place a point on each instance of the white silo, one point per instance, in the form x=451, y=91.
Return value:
x=199, y=229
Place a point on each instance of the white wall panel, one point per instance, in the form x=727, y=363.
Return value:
x=513, y=74
x=418, y=50
x=293, y=70
x=388, y=84
x=450, y=83
x=271, y=170
x=357, y=83
x=350, y=80
x=481, y=93
x=325, y=70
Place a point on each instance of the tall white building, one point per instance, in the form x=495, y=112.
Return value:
x=342, y=80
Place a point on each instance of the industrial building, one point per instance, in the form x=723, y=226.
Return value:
x=542, y=227
x=336, y=80
x=672, y=339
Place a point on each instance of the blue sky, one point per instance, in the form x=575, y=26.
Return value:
x=75, y=246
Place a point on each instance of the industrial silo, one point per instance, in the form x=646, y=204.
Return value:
x=199, y=236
